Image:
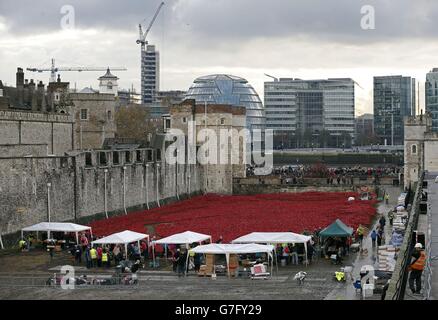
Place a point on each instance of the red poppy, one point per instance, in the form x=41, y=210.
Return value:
x=234, y=216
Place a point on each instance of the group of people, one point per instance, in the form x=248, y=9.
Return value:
x=97, y=256
x=295, y=254
x=378, y=234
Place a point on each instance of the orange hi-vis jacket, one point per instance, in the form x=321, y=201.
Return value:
x=420, y=262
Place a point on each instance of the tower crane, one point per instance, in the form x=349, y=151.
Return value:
x=53, y=69
x=142, y=36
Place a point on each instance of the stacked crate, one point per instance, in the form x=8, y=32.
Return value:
x=386, y=257
x=208, y=268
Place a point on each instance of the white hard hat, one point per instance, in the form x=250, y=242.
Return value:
x=419, y=245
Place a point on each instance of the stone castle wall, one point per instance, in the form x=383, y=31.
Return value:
x=35, y=128
x=77, y=191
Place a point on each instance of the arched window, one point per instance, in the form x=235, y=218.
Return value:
x=110, y=86
x=414, y=149
x=109, y=116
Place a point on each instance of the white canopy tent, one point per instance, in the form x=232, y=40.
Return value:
x=186, y=238
x=57, y=227
x=275, y=238
x=125, y=238
x=227, y=249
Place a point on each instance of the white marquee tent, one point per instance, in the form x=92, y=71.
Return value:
x=124, y=237
x=186, y=238
x=227, y=249
x=275, y=238
x=57, y=227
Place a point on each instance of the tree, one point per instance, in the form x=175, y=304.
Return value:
x=133, y=122
x=366, y=140
x=324, y=139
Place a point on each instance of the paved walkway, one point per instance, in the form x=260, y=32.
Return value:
x=432, y=228
x=346, y=291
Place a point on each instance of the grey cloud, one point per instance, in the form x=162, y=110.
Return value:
x=222, y=21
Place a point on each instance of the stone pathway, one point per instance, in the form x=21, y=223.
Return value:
x=346, y=291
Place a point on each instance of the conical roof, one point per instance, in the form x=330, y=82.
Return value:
x=108, y=75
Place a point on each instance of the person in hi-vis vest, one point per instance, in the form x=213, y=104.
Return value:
x=416, y=267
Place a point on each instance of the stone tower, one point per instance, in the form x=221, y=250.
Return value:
x=108, y=83
x=414, y=146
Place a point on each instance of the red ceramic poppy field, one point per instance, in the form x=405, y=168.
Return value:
x=234, y=216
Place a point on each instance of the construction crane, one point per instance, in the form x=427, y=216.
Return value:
x=53, y=69
x=142, y=39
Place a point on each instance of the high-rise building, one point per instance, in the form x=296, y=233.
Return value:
x=150, y=74
x=394, y=99
x=306, y=113
x=431, y=91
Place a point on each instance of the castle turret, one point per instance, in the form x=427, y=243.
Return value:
x=108, y=83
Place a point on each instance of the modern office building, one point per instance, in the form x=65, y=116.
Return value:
x=394, y=100
x=150, y=74
x=230, y=90
x=431, y=90
x=306, y=113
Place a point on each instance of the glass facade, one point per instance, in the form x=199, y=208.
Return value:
x=394, y=100
x=296, y=108
x=232, y=90
x=432, y=97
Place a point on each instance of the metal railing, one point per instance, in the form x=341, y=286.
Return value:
x=427, y=268
x=397, y=287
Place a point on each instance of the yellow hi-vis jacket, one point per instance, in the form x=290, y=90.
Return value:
x=93, y=253
x=104, y=257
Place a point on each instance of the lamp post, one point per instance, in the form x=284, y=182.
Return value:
x=104, y=197
x=146, y=185
x=158, y=196
x=124, y=190
x=49, y=185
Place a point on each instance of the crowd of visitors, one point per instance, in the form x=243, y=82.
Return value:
x=105, y=256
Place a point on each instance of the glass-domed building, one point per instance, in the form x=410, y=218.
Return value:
x=232, y=90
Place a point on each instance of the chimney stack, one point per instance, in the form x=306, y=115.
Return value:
x=20, y=77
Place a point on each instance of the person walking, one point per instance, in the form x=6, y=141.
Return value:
x=175, y=260
x=144, y=250
x=359, y=232
x=386, y=198
x=88, y=260
x=416, y=267
x=116, y=254
x=105, y=258
x=182, y=264
x=197, y=261
x=373, y=238
x=78, y=254
x=99, y=256
x=379, y=237
x=391, y=218
x=93, y=255
x=382, y=222
x=84, y=242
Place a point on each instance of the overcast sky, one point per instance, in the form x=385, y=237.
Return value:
x=306, y=39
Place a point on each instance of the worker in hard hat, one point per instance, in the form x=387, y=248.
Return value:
x=416, y=267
